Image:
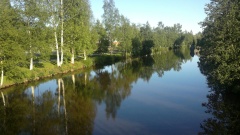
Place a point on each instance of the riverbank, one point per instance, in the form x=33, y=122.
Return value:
x=49, y=69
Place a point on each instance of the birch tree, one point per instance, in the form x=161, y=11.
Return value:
x=28, y=11
x=1, y=81
x=126, y=35
x=110, y=20
x=77, y=27
x=62, y=21
x=54, y=22
x=33, y=16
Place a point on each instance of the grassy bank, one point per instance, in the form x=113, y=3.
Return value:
x=49, y=69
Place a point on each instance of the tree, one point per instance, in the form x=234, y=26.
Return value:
x=53, y=11
x=61, y=21
x=126, y=35
x=102, y=37
x=136, y=41
x=159, y=37
x=77, y=27
x=32, y=14
x=147, y=39
x=110, y=21
x=12, y=53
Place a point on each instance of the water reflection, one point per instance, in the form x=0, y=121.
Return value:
x=223, y=105
x=225, y=111
x=69, y=106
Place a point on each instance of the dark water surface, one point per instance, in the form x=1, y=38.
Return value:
x=150, y=96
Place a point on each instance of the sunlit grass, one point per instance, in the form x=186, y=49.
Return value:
x=50, y=68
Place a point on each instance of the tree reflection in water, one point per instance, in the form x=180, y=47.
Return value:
x=225, y=111
x=70, y=107
x=223, y=105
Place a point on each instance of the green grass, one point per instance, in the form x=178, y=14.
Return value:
x=49, y=69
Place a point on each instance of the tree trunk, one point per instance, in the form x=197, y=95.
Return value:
x=61, y=16
x=73, y=79
x=61, y=62
x=58, y=62
x=1, y=78
x=30, y=51
x=84, y=55
x=31, y=64
x=85, y=78
x=72, y=58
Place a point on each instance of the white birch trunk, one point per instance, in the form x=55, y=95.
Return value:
x=73, y=79
x=72, y=58
x=84, y=55
x=61, y=15
x=4, y=103
x=85, y=78
x=56, y=41
x=31, y=64
x=61, y=61
x=30, y=51
x=1, y=78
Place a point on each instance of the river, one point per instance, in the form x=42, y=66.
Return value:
x=155, y=95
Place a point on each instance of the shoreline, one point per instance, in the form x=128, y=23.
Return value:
x=38, y=74
x=26, y=81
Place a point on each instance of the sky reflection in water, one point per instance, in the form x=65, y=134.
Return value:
x=123, y=98
x=167, y=105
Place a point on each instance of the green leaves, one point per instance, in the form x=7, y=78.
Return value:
x=33, y=29
x=219, y=58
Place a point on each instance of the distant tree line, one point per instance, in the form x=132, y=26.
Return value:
x=33, y=31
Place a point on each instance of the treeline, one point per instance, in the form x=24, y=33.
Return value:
x=62, y=31
x=220, y=60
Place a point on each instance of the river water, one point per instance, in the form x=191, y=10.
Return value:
x=150, y=96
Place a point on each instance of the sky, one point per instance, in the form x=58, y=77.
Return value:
x=186, y=12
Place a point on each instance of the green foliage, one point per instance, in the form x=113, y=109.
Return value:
x=220, y=43
x=110, y=20
x=102, y=43
x=106, y=60
x=30, y=29
x=78, y=35
x=136, y=46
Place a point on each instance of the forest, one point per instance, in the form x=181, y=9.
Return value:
x=39, y=38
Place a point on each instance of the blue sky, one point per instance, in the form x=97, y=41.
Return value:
x=186, y=12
